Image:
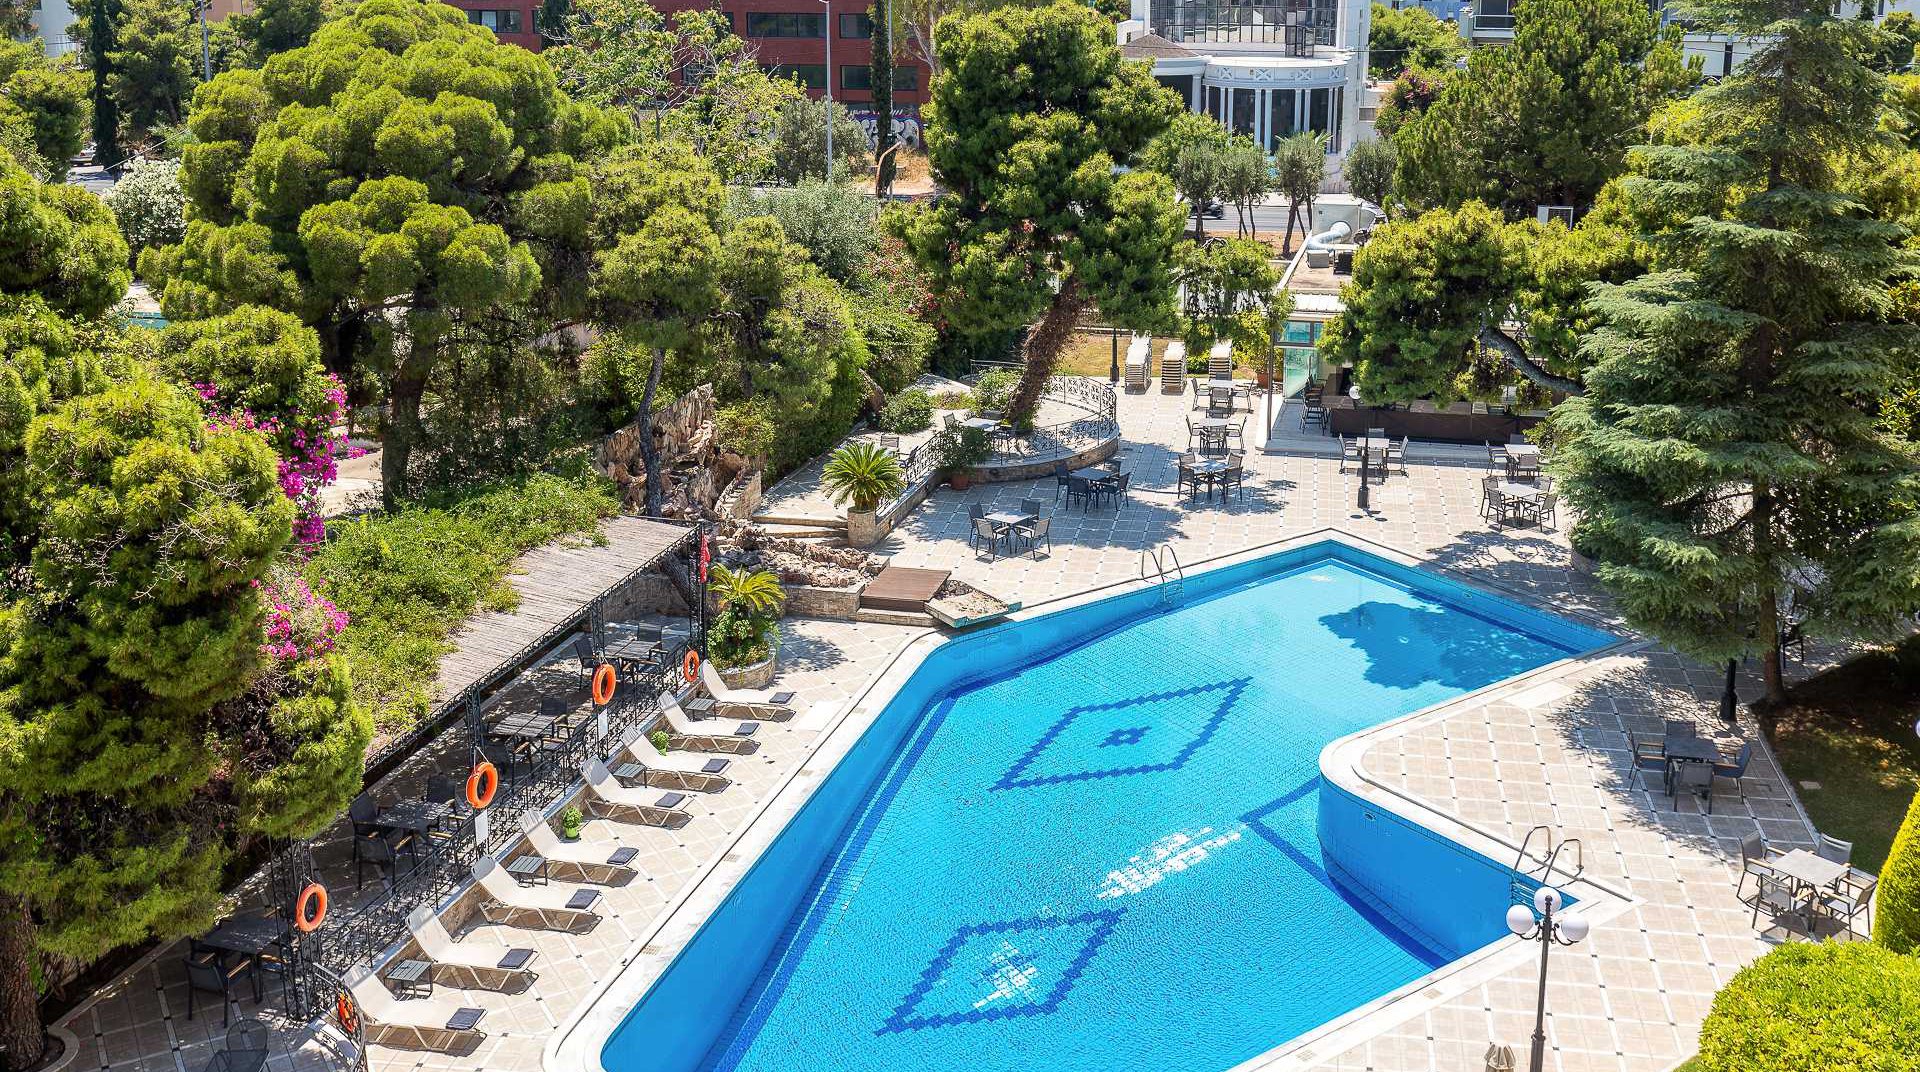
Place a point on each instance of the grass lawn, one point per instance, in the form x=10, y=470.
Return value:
x=1851, y=729
x=1091, y=354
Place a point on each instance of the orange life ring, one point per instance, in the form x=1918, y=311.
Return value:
x=311, y=909
x=690, y=666
x=483, y=775
x=344, y=1011
x=604, y=681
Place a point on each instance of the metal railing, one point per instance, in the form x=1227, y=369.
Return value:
x=1098, y=421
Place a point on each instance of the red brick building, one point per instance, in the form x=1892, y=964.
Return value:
x=787, y=36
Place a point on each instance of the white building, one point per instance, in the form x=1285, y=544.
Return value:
x=1265, y=69
x=52, y=23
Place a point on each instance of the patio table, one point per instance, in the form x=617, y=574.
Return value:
x=1004, y=525
x=1813, y=872
x=985, y=424
x=250, y=935
x=416, y=816
x=1094, y=474
x=635, y=651
x=1210, y=468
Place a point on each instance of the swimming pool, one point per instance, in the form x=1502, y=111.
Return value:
x=1094, y=838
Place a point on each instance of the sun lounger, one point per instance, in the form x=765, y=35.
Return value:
x=724, y=734
x=475, y=964
x=437, y=1023
x=607, y=799
x=749, y=703
x=554, y=908
x=1173, y=369
x=636, y=759
x=576, y=862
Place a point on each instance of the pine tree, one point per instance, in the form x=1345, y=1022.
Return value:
x=1725, y=457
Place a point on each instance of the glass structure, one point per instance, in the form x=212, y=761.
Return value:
x=1298, y=24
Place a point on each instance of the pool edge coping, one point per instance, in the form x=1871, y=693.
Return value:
x=600, y=1013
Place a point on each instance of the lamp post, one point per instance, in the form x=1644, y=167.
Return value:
x=1365, y=505
x=1113, y=373
x=828, y=21
x=1538, y=923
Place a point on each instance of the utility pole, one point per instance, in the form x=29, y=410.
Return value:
x=206, y=54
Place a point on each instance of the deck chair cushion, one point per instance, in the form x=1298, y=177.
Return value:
x=583, y=900
x=714, y=766
x=464, y=1019
x=515, y=959
x=671, y=800
x=622, y=854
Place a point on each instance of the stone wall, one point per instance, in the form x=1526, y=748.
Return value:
x=695, y=472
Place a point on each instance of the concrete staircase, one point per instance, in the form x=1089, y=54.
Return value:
x=800, y=527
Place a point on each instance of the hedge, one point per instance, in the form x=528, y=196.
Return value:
x=1896, y=903
x=1813, y=1007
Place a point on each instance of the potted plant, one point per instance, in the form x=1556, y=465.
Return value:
x=744, y=637
x=859, y=476
x=958, y=449
x=570, y=820
x=659, y=739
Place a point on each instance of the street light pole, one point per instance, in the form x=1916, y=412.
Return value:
x=206, y=54
x=1537, y=923
x=1113, y=374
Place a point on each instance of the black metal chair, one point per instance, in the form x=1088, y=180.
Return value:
x=1079, y=487
x=1060, y=472
x=1233, y=478
x=210, y=979
x=984, y=532
x=379, y=852
x=1034, y=531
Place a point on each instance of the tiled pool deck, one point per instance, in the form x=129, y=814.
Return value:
x=1547, y=751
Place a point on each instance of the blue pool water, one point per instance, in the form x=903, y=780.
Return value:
x=1094, y=839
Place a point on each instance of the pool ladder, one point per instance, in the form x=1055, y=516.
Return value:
x=1172, y=582
x=1531, y=871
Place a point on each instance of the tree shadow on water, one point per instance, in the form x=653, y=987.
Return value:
x=1407, y=647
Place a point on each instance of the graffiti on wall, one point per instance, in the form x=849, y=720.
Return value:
x=906, y=126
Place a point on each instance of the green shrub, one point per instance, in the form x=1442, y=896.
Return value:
x=991, y=390
x=408, y=578
x=1809, y=1007
x=958, y=448
x=1896, y=908
x=909, y=411
x=744, y=428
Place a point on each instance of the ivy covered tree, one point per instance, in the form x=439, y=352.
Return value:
x=156, y=709
x=1546, y=120
x=1035, y=224
x=1726, y=458
x=400, y=175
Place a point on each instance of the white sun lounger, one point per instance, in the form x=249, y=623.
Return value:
x=607, y=799
x=718, y=730
x=574, y=862
x=437, y=1023
x=636, y=759
x=754, y=703
x=554, y=908
x=476, y=964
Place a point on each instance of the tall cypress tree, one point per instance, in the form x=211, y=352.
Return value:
x=1725, y=458
x=103, y=37
x=882, y=71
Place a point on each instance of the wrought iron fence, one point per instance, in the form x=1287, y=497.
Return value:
x=1097, y=422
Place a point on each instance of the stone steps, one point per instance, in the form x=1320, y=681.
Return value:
x=801, y=521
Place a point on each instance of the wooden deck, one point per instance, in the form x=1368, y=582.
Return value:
x=556, y=584
x=900, y=588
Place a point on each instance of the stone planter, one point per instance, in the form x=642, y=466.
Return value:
x=754, y=676
x=863, y=528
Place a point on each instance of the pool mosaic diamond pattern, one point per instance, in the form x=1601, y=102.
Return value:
x=993, y=971
x=1180, y=723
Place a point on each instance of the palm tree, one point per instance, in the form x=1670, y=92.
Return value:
x=863, y=474
x=754, y=591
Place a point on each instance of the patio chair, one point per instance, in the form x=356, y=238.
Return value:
x=587, y=657
x=1220, y=398
x=767, y=704
x=1497, y=456
x=984, y=533
x=715, y=734
x=1753, y=861
x=953, y=422
x=1188, y=477
x=1233, y=478
x=1060, y=472
x=435, y=1023
x=1832, y=848
x=211, y=979
x=1079, y=487
x=572, y=861
x=1032, y=507
x=1547, y=508
x=1349, y=453
x=476, y=963
x=1852, y=898
x=976, y=511
x=1525, y=469
x=245, y=1049
x=1123, y=487
x=552, y=908
x=379, y=852
x=1312, y=414
x=1649, y=756
x=1237, y=436
x=1695, y=778
x=1493, y=501
x=636, y=759
x=1778, y=895
x=606, y=798
x=1397, y=455
x=1034, y=531
x=1201, y=398
x=1736, y=770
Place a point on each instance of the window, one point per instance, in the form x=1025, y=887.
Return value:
x=499, y=20
x=858, y=26
x=1243, y=103
x=1179, y=83
x=1319, y=103
x=861, y=77
x=811, y=75
x=1279, y=115
x=785, y=24
x=1299, y=23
